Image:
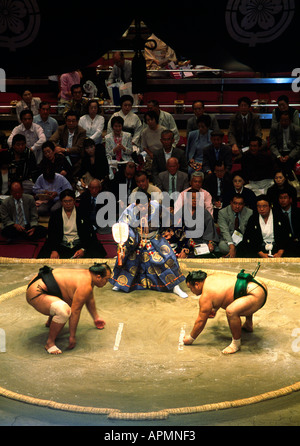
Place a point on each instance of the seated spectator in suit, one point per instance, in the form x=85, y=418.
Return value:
x=285, y=144
x=237, y=187
x=93, y=122
x=4, y=177
x=205, y=232
x=257, y=167
x=47, y=189
x=267, y=233
x=22, y=164
x=57, y=160
x=292, y=214
x=87, y=202
x=28, y=102
x=70, y=234
x=243, y=126
x=44, y=120
x=19, y=216
x=78, y=103
x=124, y=179
x=216, y=152
x=197, y=140
x=131, y=122
x=122, y=69
x=196, y=182
x=281, y=184
x=232, y=221
x=172, y=180
x=94, y=163
x=218, y=184
x=118, y=143
x=33, y=133
x=284, y=106
x=68, y=140
x=161, y=156
x=143, y=184
x=198, y=108
x=165, y=119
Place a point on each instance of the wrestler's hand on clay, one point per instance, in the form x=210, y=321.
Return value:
x=100, y=323
x=188, y=340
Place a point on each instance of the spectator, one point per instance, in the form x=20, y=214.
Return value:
x=44, y=120
x=118, y=143
x=257, y=167
x=122, y=69
x=132, y=123
x=124, y=178
x=159, y=54
x=216, y=152
x=19, y=216
x=196, y=182
x=283, y=106
x=151, y=138
x=238, y=187
x=218, y=184
x=22, y=164
x=161, y=156
x=68, y=140
x=243, y=126
x=205, y=232
x=172, y=180
x=94, y=163
x=93, y=122
x=197, y=140
x=285, y=144
x=58, y=160
x=88, y=205
x=281, y=184
x=78, y=103
x=4, y=176
x=47, y=189
x=232, y=221
x=198, y=108
x=70, y=234
x=143, y=184
x=267, y=233
x=28, y=102
x=165, y=119
x=67, y=80
x=292, y=214
x=33, y=133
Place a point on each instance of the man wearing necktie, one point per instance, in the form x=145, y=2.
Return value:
x=19, y=216
x=232, y=221
x=292, y=215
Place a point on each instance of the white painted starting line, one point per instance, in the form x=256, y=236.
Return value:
x=181, y=336
x=118, y=336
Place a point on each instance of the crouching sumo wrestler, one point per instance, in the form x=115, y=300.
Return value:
x=238, y=296
x=61, y=293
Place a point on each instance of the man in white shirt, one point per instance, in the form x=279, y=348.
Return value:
x=34, y=134
x=165, y=119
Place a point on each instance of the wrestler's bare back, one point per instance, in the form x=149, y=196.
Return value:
x=69, y=282
x=218, y=289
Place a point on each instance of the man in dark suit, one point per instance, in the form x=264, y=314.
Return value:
x=267, y=233
x=243, y=126
x=292, y=215
x=19, y=216
x=160, y=156
x=87, y=203
x=70, y=234
x=172, y=179
x=218, y=185
x=285, y=144
x=216, y=152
